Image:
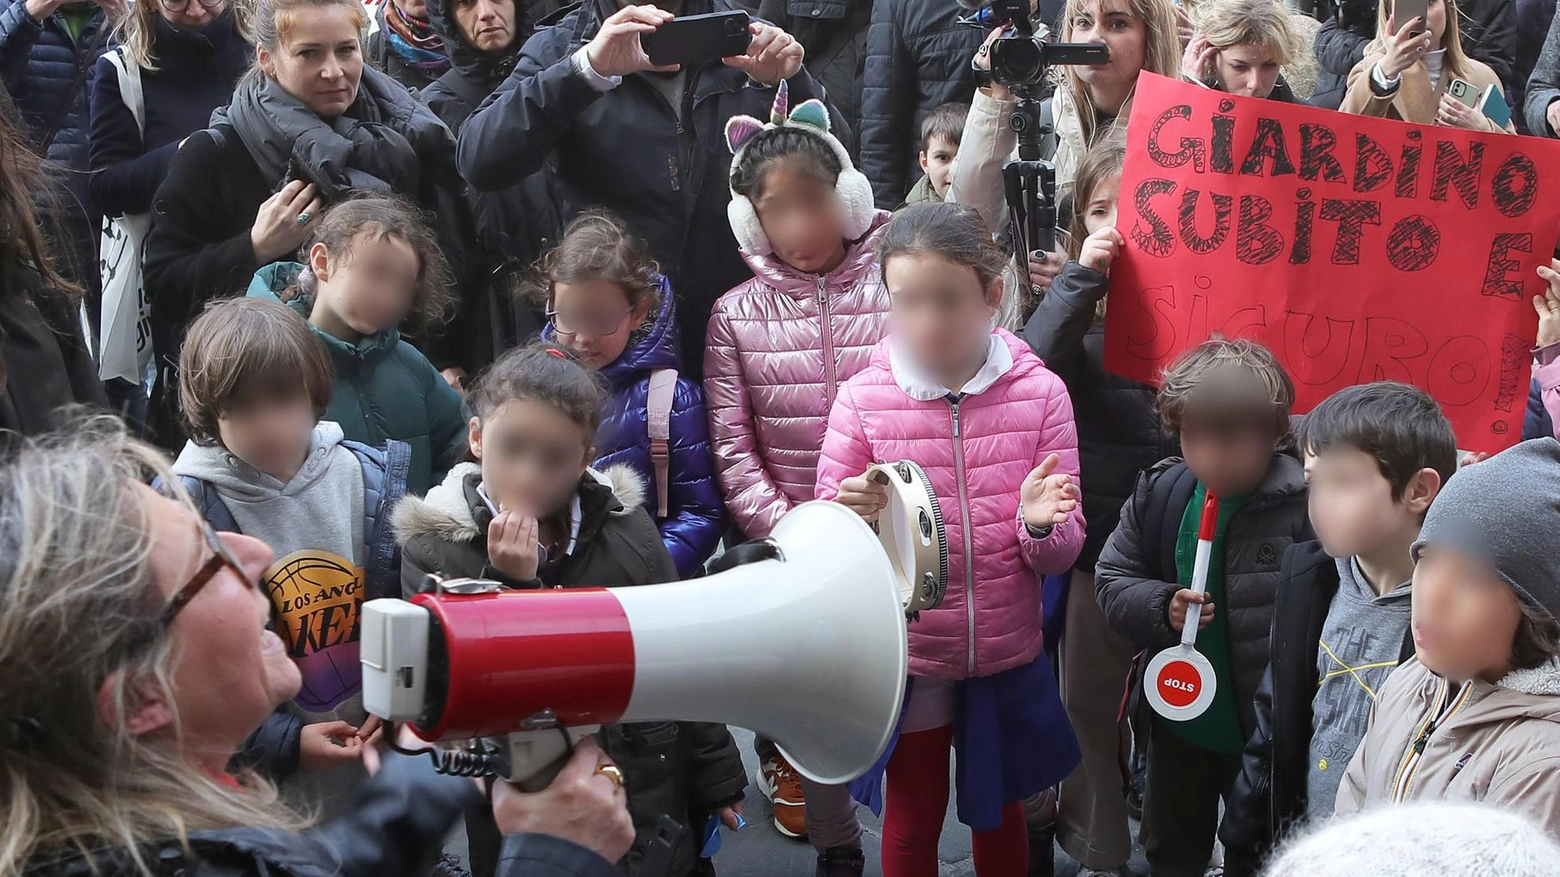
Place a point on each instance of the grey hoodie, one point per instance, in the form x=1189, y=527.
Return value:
x=314, y=523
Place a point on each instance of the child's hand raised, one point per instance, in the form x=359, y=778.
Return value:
x=325, y=746
x=1047, y=497
x=1100, y=249
x=512, y=545
x=1548, y=305
x=1183, y=600
x=863, y=496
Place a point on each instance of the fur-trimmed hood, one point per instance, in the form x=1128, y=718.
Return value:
x=446, y=513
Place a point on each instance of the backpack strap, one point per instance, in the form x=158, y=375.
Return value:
x=658, y=417
x=1167, y=499
x=211, y=506
x=129, y=86
x=384, y=485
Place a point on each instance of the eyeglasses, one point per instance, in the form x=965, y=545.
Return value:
x=181, y=5
x=595, y=325
x=220, y=559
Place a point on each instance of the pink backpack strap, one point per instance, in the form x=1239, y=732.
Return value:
x=663, y=385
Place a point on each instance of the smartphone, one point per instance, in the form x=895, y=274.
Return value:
x=698, y=39
x=1403, y=10
x=1464, y=92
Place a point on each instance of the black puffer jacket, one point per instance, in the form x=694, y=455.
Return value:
x=514, y=225
x=834, y=33
x=44, y=363
x=1270, y=792
x=1489, y=34
x=626, y=150
x=395, y=829
x=1339, y=47
x=1119, y=434
x=1135, y=592
x=918, y=58
x=685, y=770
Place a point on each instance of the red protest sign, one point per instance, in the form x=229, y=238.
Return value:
x=1357, y=249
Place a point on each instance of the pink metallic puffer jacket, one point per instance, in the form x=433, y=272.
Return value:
x=777, y=349
x=977, y=451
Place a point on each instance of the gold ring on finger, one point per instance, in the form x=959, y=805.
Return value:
x=611, y=772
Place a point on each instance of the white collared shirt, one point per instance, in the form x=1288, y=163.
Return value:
x=924, y=388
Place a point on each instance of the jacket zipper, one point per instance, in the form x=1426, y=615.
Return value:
x=829, y=372
x=964, y=516
x=1439, y=715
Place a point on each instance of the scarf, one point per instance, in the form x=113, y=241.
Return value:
x=415, y=40
x=383, y=143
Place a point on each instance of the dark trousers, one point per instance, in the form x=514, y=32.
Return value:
x=1181, y=805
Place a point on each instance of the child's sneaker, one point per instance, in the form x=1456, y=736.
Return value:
x=782, y=785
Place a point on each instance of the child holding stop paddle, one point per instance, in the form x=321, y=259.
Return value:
x=1228, y=403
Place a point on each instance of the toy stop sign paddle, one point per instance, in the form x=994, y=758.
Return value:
x=1180, y=681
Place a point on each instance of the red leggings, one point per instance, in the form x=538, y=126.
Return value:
x=916, y=802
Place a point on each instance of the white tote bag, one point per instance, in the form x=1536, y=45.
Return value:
x=126, y=351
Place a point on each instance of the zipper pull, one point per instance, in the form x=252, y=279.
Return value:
x=955, y=407
x=1424, y=739
x=823, y=295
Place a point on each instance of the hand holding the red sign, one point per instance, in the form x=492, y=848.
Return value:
x=863, y=496
x=1048, y=497
x=1101, y=248
x=1548, y=305
x=512, y=545
x=1405, y=48
x=1182, y=602
x=1198, y=58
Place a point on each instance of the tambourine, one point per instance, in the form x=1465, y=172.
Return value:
x=912, y=532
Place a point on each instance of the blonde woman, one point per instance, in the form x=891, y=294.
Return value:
x=1407, y=70
x=134, y=658
x=1242, y=47
x=1090, y=105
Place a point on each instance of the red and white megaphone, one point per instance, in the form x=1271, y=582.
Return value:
x=1180, y=682
x=806, y=646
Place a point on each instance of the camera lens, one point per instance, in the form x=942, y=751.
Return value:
x=1018, y=60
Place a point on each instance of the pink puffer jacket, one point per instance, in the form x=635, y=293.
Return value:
x=977, y=452
x=777, y=349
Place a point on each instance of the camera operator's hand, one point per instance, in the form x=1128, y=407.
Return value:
x=615, y=50
x=997, y=91
x=582, y=805
x=1197, y=60
x=773, y=57
x=1043, y=268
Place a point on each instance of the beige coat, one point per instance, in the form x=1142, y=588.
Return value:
x=1415, y=100
x=1499, y=744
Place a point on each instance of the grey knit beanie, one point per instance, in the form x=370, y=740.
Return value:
x=1430, y=839
x=1505, y=512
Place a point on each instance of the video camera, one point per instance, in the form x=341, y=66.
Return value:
x=1021, y=58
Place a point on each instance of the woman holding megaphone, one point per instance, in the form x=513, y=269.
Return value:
x=134, y=659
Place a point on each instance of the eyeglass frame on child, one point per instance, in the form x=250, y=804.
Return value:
x=181, y=5
x=552, y=317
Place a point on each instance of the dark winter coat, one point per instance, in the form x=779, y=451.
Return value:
x=196, y=72
x=918, y=58
x=383, y=56
x=1270, y=791
x=1533, y=20
x=1119, y=434
x=686, y=770
x=1134, y=591
x=384, y=389
x=626, y=150
x=834, y=33
x=1338, y=50
x=1543, y=86
x=44, y=363
x=41, y=67
x=1489, y=34
x=696, y=514
x=395, y=829
x=199, y=248
x=512, y=226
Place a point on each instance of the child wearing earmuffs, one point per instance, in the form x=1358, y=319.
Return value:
x=778, y=347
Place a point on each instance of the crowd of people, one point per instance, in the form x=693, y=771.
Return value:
x=302, y=301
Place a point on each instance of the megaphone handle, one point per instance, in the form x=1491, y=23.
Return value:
x=537, y=757
x=1199, y=586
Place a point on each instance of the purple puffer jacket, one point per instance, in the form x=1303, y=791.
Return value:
x=695, y=519
x=977, y=451
x=777, y=349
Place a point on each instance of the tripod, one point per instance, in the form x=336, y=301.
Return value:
x=1029, y=182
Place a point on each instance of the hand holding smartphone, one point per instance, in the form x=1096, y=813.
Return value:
x=693, y=40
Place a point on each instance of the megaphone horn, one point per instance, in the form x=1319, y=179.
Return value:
x=807, y=648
